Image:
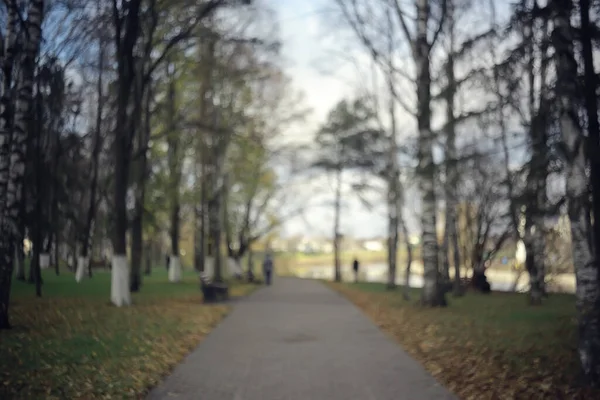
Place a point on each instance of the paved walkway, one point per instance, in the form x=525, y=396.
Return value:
x=298, y=340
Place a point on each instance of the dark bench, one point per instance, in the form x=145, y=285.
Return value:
x=213, y=291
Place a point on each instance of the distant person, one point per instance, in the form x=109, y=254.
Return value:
x=268, y=268
x=355, y=269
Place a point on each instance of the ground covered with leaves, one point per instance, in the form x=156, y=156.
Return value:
x=73, y=344
x=484, y=346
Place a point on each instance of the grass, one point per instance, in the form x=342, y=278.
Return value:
x=483, y=346
x=72, y=343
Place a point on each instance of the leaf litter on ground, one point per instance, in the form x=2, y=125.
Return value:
x=483, y=347
x=75, y=346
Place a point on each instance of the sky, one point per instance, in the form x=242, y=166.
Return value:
x=322, y=64
x=304, y=51
x=307, y=51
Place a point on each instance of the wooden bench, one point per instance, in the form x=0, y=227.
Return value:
x=212, y=291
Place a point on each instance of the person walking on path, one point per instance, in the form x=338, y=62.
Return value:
x=355, y=269
x=268, y=268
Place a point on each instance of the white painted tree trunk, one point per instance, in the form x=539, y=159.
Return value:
x=209, y=266
x=119, y=290
x=174, y=269
x=44, y=260
x=82, y=267
x=234, y=268
x=520, y=253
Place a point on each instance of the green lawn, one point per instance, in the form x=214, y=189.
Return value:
x=72, y=343
x=484, y=346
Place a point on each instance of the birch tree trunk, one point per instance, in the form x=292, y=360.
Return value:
x=6, y=116
x=336, y=225
x=586, y=268
x=432, y=295
x=452, y=175
x=12, y=162
x=591, y=105
x=536, y=180
x=7, y=104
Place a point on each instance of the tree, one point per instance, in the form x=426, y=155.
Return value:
x=586, y=266
x=364, y=21
x=591, y=106
x=342, y=141
x=482, y=217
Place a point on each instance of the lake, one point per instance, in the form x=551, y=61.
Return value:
x=500, y=280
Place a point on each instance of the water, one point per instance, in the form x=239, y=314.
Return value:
x=500, y=280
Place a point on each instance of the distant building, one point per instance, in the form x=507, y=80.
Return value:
x=375, y=244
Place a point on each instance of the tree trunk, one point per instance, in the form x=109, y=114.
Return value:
x=336, y=225
x=120, y=294
x=84, y=261
x=214, y=216
x=57, y=253
x=12, y=162
x=591, y=105
x=215, y=227
x=452, y=175
x=198, y=239
x=199, y=225
x=432, y=295
x=135, y=283
x=393, y=195
x=137, y=224
x=444, y=257
x=586, y=268
x=20, y=260
x=40, y=219
x=392, y=229
x=406, y=289
x=128, y=27
x=201, y=229
x=536, y=179
x=250, y=265
x=6, y=112
x=535, y=288
x=175, y=178
x=149, y=255
x=231, y=254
